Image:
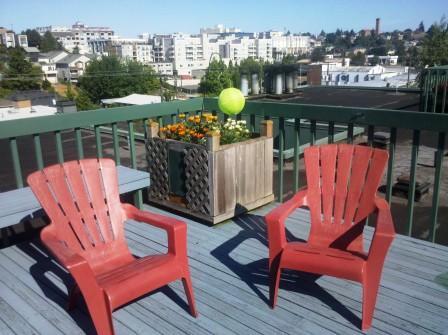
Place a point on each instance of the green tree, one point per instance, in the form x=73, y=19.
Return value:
x=75, y=50
x=289, y=59
x=49, y=43
x=318, y=54
x=108, y=77
x=34, y=39
x=421, y=27
x=21, y=74
x=216, y=79
x=69, y=94
x=83, y=101
x=357, y=60
x=434, y=49
x=46, y=85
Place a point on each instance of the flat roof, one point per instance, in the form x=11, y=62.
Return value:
x=357, y=97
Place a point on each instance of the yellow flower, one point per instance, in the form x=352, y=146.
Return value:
x=182, y=116
x=191, y=118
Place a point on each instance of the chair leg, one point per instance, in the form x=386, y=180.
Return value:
x=72, y=297
x=188, y=287
x=101, y=314
x=274, y=283
x=370, y=292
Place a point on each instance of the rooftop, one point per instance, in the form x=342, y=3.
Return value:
x=358, y=97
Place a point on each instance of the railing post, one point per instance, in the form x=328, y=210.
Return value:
x=138, y=197
x=281, y=147
x=296, y=170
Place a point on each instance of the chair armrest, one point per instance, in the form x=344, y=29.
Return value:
x=383, y=235
x=275, y=221
x=176, y=229
x=385, y=225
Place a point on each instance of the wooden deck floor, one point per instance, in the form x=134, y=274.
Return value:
x=229, y=265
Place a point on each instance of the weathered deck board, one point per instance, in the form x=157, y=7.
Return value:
x=228, y=264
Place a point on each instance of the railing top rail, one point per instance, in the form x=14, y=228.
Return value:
x=362, y=116
x=43, y=124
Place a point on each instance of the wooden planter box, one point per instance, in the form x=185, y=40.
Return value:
x=213, y=183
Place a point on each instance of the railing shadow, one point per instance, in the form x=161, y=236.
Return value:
x=55, y=282
x=256, y=273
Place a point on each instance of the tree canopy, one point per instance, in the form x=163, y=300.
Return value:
x=33, y=37
x=318, y=54
x=217, y=78
x=358, y=60
x=49, y=43
x=434, y=49
x=109, y=77
x=20, y=74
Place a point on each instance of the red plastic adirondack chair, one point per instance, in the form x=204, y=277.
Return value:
x=341, y=193
x=86, y=235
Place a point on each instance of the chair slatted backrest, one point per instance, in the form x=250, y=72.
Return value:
x=82, y=201
x=342, y=182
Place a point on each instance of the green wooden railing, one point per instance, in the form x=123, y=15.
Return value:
x=434, y=86
x=114, y=118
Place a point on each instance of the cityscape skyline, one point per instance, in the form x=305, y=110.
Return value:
x=190, y=17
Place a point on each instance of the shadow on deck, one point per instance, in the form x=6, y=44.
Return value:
x=229, y=269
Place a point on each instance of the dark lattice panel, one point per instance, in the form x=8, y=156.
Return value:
x=197, y=183
x=157, y=157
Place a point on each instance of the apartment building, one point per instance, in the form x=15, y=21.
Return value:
x=79, y=35
x=7, y=38
x=137, y=49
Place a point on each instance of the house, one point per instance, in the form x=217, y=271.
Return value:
x=32, y=53
x=52, y=56
x=50, y=72
x=48, y=61
x=72, y=66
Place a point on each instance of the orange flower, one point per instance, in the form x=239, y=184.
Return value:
x=181, y=133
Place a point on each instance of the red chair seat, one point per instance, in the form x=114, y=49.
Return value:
x=143, y=275
x=324, y=261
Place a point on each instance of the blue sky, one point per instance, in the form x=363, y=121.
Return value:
x=131, y=17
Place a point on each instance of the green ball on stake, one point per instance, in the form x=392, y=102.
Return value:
x=231, y=101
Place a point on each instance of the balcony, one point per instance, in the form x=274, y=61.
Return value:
x=229, y=261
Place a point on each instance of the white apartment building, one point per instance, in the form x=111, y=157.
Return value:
x=7, y=38
x=163, y=49
x=136, y=49
x=22, y=40
x=288, y=44
x=165, y=68
x=79, y=35
x=219, y=29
